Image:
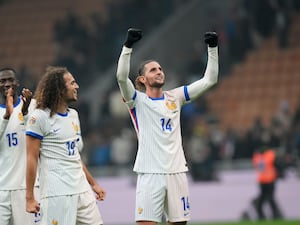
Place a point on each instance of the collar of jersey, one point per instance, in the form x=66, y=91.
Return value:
x=161, y=98
x=62, y=114
x=15, y=105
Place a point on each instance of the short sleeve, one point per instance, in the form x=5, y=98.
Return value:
x=36, y=125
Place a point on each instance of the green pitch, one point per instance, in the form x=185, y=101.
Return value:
x=277, y=222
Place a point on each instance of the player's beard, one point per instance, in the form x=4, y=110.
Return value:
x=157, y=84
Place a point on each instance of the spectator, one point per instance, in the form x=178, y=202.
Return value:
x=266, y=164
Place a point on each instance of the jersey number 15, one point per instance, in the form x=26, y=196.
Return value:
x=12, y=139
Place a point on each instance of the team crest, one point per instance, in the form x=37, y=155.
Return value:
x=140, y=210
x=75, y=127
x=20, y=116
x=171, y=105
x=54, y=222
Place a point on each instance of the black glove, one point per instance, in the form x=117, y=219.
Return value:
x=211, y=38
x=133, y=35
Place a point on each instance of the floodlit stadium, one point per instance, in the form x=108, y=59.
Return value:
x=256, y=101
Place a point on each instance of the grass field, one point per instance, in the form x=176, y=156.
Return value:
x=275, y=222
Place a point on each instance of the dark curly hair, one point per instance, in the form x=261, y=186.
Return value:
x=51, y=89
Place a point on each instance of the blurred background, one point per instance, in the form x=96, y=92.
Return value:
x=257, y=99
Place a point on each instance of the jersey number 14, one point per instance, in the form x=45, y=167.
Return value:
x=166, y=124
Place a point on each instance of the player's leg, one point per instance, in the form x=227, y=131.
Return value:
x=5, y=208
x=150, y=197
x=177, y=204
x=59, y=210
x=88, y=211
x=19, y=214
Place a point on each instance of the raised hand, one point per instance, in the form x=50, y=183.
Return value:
x=26, y=98
x=9, y=103
x=211, y=38
x=133, y=35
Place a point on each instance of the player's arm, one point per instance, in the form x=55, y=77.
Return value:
x=212, y=69
x=8, y=111
x=33, y=149
x=100, y=192
x=126, y=86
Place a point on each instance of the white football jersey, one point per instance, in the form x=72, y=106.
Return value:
x=12, y=149
x=61, y=170
x=157, y=123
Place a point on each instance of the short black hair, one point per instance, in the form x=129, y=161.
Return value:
x=8, y=68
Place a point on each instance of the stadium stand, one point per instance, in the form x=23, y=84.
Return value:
x=27, y=30
x=255, y=87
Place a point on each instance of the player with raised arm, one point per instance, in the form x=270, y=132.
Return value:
x=162, y=185
x=13, y=114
